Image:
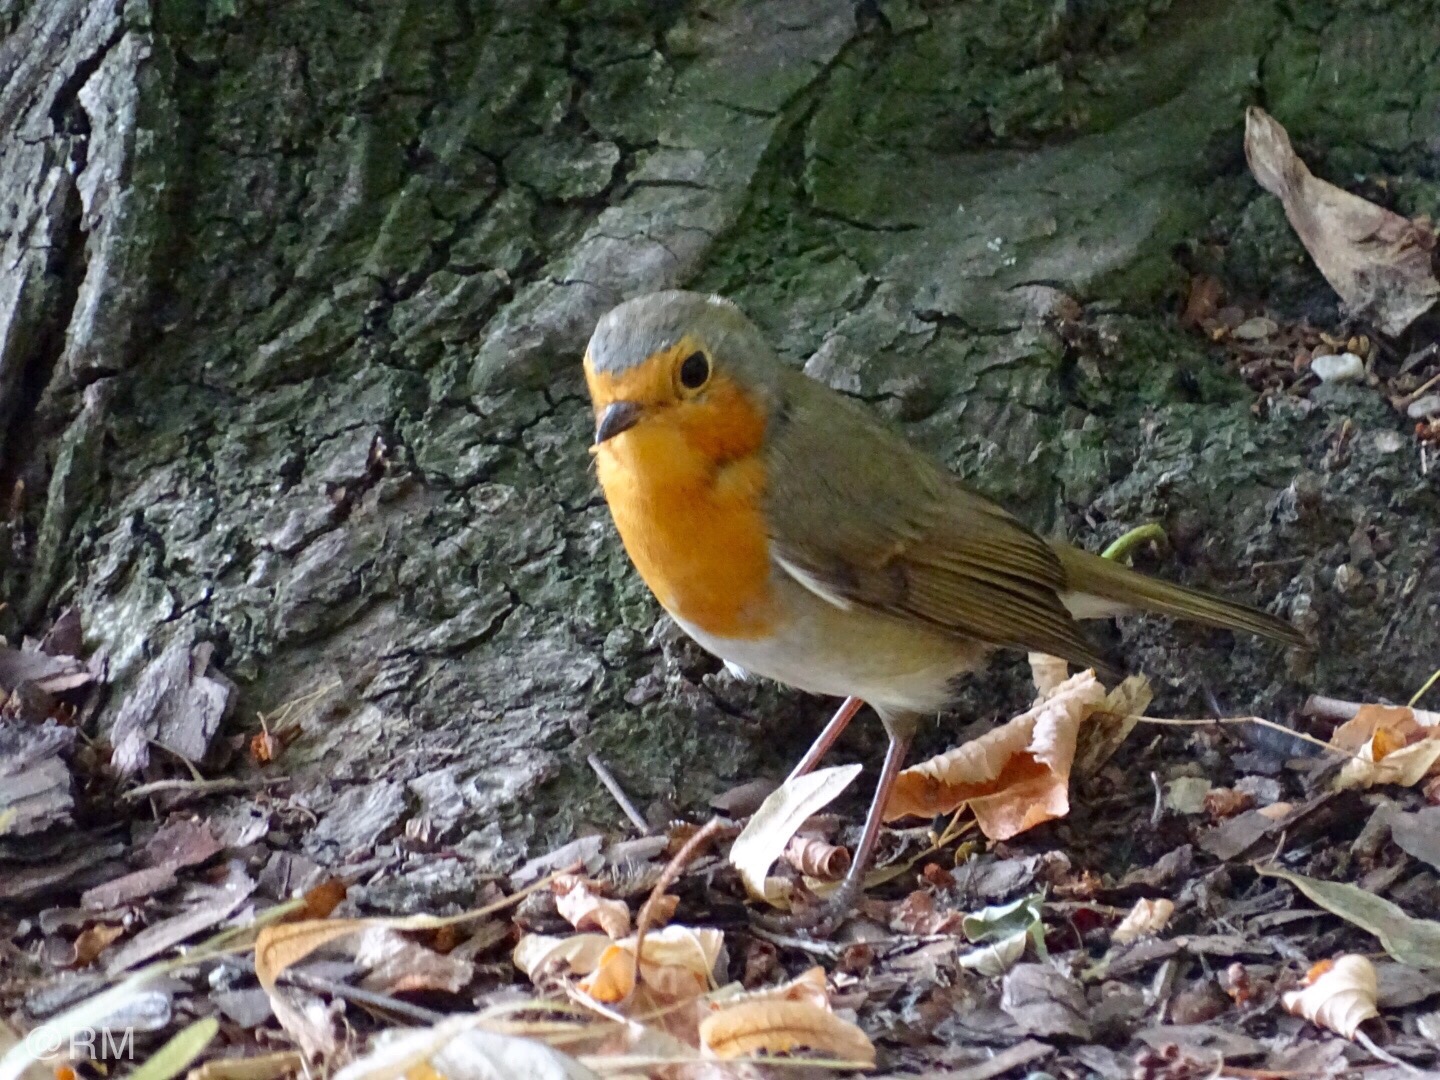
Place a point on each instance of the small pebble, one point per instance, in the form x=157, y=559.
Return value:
x=1257, y=329
x=1424, y=408
x=1347, y=576
x=1342, y=367
x=1389, y=442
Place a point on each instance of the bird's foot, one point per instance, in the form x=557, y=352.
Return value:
x=819, y=920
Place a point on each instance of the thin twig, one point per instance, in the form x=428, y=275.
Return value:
x=1172, y=722
x=1419, y=392
x=668, y=876
x=1384, y=1055
x=827, y=949
x=1328, y=708
x=613, y=786
x=1425, y=689
x=383, y=1002
x=220, y=786
x=1159, y=810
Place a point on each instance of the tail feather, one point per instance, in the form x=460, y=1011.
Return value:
x=1101, y=587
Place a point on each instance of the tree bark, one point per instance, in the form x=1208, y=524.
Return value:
x=294, y=296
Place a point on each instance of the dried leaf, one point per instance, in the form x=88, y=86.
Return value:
x=1377, y=261
x=176, y=1055
x=998, y=957
x=1392, y=747
x=1203, y=300
x=1000, y=921
x=456, y=1049
x=324, y=898
x=1146, y=918
x=394, y=964
x=94, y=940
x=538, y=955
x=779, y=1027
x=280, y=947
x=817, y=859
x=809, y=986
x=261, y=1067
x=1418, y=834
x=779, y=817
x=1043, y=1001
x=582, y=907
x=1338, y=996
x=1048, y=673
x=485, y=1055
x=307, y=1020
x=679, y=961
x=1186, y=794
x=1409, y=940
x=1014, y=777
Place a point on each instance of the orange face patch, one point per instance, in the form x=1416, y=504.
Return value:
x=685, y=486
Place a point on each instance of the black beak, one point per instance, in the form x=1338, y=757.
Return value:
x=618, y=416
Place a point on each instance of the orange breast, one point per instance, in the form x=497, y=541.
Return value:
x=692, y=522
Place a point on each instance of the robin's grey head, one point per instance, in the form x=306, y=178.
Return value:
x=664, y=349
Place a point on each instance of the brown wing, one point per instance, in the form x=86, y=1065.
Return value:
x=873, y=522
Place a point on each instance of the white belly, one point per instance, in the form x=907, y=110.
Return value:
x=844, y=652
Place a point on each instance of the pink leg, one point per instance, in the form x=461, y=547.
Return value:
x=839, y=903
x=818, y=749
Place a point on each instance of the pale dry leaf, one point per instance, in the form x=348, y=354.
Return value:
x=1379, y=263
x=997, y=958
x=816, y=858
x=1391, y=746
x=1048, y=673
x=780, y=816
x=306, y=1019
x=1014, y=777
x=781, y=1027
x=94, y=940
x=1145, y=919
x=488, y=1055
x=1186, y=794
x=395, y=965
x=809, y=985
x=1338, y=996
x=1110, y=725
x=458, y=1049
x=259, y=1067
x=538, y=955
x=280, y=947
x=580, y=904
x=679, y=961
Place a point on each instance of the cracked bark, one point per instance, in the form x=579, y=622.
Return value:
x=293, y=299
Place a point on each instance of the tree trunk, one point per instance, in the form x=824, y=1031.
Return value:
x=294, y=296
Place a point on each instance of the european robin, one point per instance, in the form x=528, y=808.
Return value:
x=792, y=534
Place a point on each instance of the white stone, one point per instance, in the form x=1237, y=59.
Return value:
x=1342, y=367
x=1424, y=408
x=1257, y=329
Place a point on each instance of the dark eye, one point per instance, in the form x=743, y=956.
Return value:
x=695, y=371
